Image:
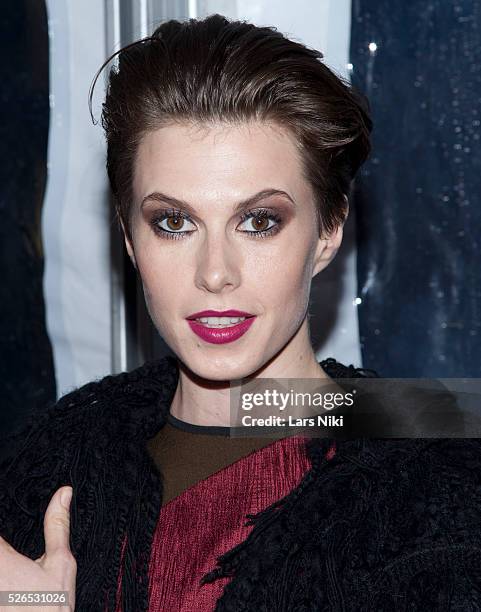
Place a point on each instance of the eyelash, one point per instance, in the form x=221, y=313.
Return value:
x=259, y=213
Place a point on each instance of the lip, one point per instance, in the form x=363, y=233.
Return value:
x=221, y=335
x=219, y=313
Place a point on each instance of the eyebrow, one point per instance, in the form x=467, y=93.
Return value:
x=158, y=196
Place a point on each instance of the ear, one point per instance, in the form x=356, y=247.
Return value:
x=328, y=245
x=128, y=245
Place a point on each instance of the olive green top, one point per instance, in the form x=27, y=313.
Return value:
x=186, y=453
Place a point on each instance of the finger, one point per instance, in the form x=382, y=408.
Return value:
x=5, y=547
x=57, y=521
x=41, y=559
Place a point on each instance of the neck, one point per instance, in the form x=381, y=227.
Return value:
x=205, y=402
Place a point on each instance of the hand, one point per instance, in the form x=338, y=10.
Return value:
x=55, y=570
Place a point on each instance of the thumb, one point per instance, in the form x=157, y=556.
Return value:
x=57, y=521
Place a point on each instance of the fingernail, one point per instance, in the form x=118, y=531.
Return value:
x=65, y=497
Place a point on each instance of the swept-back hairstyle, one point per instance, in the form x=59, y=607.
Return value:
x=216, y=70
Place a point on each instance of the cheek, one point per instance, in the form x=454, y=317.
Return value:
x=158, y=281
x=151, y=296
x=286, y=282
x=157, y=287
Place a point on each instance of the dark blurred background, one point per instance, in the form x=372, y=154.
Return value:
x=27, y=375
x=418, y=197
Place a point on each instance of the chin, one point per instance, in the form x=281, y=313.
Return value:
x=220, y=368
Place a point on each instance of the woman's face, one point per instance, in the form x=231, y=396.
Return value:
x=191, y=180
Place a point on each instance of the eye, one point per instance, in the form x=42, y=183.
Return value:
x=171, y=224
x=259, y=220
x=174, y=224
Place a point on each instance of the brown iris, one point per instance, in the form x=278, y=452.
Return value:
x=175, y=223
x=258, y=221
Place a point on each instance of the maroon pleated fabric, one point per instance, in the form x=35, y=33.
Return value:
x=209, y=518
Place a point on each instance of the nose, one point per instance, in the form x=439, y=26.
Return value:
x=217, y=265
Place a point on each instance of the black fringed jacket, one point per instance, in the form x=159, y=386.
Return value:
x=385, y=525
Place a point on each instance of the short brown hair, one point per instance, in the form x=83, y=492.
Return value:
x=216, y=70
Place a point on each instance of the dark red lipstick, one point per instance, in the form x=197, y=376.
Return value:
x=220, y=335
x=219, y=313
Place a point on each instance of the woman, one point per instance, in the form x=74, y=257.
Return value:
x=231, y=151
